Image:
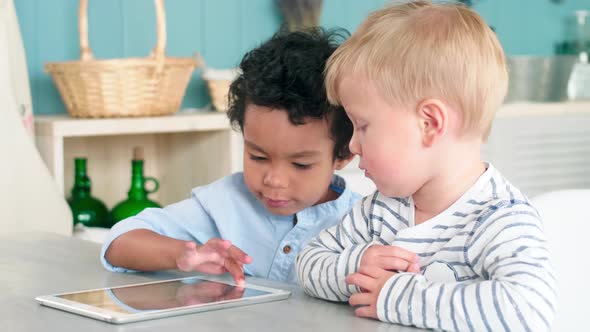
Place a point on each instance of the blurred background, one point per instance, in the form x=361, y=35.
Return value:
x=222, y=30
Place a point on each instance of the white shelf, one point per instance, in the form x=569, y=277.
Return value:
x=519, y=109
x=182, y=151
x=65, y=126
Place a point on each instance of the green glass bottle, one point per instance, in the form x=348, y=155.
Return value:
x=137, y=199
x=86, y=209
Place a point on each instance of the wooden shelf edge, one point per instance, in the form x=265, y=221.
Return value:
x=65, y=126
x=518, y=109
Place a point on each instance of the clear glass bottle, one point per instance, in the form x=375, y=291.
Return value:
x=86, y=209
x=137, y=199
x=578, y=87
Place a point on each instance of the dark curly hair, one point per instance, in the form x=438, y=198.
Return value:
x=287, y=73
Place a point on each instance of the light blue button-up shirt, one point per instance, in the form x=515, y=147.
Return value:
x=227, y=209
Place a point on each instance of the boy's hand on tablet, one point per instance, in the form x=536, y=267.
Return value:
x=216, y=256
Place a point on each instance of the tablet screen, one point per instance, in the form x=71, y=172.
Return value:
x=162, y=295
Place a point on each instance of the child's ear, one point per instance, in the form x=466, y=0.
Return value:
x=341, y=163
x=433, y=117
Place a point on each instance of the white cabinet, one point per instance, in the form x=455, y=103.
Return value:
x=542, y=147
x=182, y=151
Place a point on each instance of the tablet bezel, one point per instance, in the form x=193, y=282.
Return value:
x=116, y=317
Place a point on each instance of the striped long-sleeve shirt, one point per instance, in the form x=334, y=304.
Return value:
x=484, y=261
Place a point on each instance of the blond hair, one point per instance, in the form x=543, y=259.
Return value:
x=419, y=50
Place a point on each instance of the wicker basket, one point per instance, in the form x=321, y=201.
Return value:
x=218, y=82
x=149, y=86
x=218, y=90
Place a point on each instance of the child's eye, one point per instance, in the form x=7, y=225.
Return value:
x=257, y=158
x=363, y=128
x=301, y=166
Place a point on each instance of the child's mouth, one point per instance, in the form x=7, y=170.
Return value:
x=275, y=203
x=367, y=174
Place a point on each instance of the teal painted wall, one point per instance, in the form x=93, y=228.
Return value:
x=222, y=30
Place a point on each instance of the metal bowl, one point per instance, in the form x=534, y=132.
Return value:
x=539, y=78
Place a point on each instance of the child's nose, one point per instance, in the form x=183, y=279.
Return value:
x=275, y=178
x=354, y=145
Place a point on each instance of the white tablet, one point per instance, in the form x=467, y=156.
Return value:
x=158, y=299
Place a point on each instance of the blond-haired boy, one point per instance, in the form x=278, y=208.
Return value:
x=446, y=242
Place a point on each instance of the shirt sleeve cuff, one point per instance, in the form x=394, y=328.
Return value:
x=390, y=292
x=354, y=260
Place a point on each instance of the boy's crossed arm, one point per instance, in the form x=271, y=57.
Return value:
x=515, y=289
x=344, y=249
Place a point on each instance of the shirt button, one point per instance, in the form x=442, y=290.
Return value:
x=287, y=249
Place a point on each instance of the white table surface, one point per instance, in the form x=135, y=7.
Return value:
x=33, y=264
